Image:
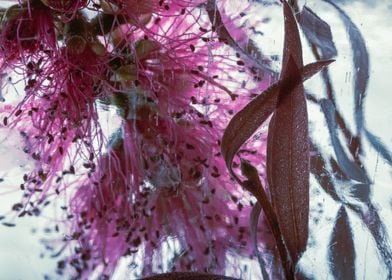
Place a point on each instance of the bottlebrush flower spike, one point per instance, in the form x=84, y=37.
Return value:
x=26, y=29
x=174, y=85
x=58, y=116
x=159, y=183
x=146, y=194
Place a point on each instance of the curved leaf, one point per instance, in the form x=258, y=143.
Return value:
x=350, y=168
x=253, y=185
x=255, y=113
x=280, y=97
x=341, y=248
x=361, y=65
x=370, y=216
x=254, y=220
x=379, y=146
x=318, y=167
x=318, y=32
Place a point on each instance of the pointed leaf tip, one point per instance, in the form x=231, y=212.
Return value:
x=341, y=248
x=292, y=40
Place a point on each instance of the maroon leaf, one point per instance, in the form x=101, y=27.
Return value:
x=288, y=149
x=318, y=167
x=292, y=41
x=312, y=69
x=341, y=248
x=188, y=276
x=256, y=112
x=288, y=168
x=253, y=185
x=280, y=97
x=254, y=220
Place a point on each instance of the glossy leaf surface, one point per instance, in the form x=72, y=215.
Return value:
x=288, y=149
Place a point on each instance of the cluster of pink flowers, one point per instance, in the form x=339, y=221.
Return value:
x=160, y=178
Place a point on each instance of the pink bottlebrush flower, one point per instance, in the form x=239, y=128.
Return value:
x=164, y=178
x=25, y=30
x=176, y=86
x=58, y=116
x=150, y=189
x=185, y=48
